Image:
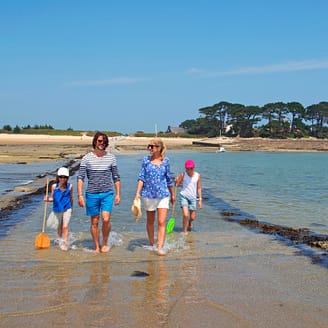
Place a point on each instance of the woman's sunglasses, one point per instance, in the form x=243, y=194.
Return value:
x=102, y=141
x=152, y=146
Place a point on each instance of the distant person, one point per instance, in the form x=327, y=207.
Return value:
x=100, y=168
x=156, y=187
x=191, y=187
x=62, y=197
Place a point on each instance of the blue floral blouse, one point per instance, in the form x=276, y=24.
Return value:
x=156, y=178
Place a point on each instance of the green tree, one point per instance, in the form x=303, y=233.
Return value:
x=17, y=129
x=243, y=118
x=188, y=124
x=212, y=124
x=297, y=111
x=7, y=127
x=318, y=115
x=276, y=112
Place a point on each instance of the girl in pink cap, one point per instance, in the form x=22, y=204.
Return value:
x=191, y=188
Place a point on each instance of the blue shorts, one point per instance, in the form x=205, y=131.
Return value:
x=101, y=202
x=190, y=203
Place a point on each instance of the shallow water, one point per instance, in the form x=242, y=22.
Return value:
x=13, y=175
x=220, y=273
x=226, y=277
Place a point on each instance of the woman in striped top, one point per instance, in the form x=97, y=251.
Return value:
x=100, y=168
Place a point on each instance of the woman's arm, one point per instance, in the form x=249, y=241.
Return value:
x=139, y=187
x=172, y=192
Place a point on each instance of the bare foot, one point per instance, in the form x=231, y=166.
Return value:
x=161, y=252
x=63, y=246
x=104, y=249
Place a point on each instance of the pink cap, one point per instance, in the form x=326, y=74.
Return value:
x=189, y=164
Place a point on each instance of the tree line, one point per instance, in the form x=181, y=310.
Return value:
x=18, y=129
x=273, y=120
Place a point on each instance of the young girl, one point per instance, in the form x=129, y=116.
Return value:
x=191, y=187
x=62, y=197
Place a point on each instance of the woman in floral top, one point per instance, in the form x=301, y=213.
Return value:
x=155, y=185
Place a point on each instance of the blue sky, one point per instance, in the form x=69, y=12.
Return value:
x=131, y=66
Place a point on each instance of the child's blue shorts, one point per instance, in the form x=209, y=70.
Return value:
x=190, y=203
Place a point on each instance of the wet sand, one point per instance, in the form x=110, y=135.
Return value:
x=228, y=279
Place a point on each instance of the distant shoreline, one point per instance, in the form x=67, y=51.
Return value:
x=23, y=149
x=20, y=148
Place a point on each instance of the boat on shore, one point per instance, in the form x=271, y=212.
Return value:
x=221, y=150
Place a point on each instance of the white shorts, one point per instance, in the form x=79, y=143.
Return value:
x=58, y=219
x=152, y=204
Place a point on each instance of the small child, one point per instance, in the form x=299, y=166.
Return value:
x=191, y=187
x=62, y=198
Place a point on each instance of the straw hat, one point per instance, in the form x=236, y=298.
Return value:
x=136, y=208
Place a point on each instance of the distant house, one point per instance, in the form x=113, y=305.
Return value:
x=175, y=130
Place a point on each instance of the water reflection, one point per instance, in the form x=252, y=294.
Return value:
x=97, y=288
x=151, y=294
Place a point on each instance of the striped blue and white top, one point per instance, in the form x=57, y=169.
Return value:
x=100, y=172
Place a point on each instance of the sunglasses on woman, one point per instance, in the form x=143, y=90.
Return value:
x=152, y=146
x=101, y=141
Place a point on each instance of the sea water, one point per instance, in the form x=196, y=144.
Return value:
x=280, y=188
x=13, y=175
x=288, y=189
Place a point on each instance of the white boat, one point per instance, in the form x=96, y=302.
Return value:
x=221, y=150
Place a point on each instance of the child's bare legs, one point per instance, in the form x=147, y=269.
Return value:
x=191, y=219
x=185, y=214
x=65, y=235
x=150, y=227
x=62, y=231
